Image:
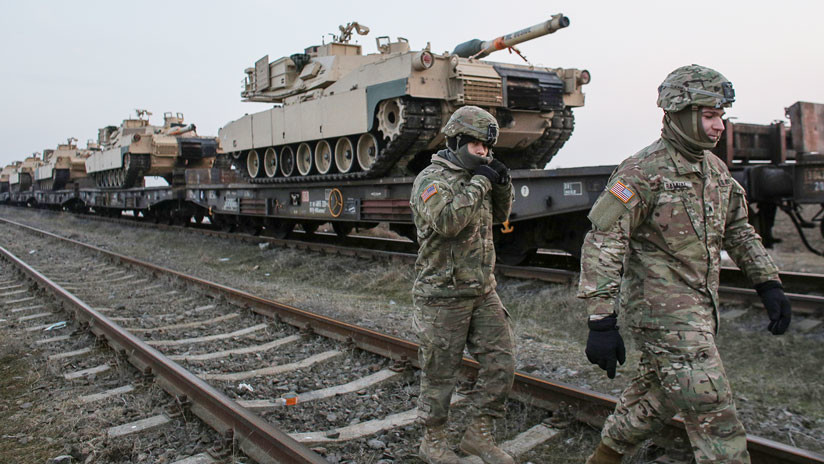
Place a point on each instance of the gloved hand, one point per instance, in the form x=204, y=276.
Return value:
x=488, y=172
x=605, y=346
x=777, y=305
x=502, y=171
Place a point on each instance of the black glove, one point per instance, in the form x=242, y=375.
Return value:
x=605, y=345
x=502, y=171
x=488, y=172
x=777, y=305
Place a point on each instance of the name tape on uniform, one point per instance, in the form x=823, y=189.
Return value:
x=427, y=194
x=622, y=192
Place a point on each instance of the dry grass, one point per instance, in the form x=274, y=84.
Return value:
x=26, y=435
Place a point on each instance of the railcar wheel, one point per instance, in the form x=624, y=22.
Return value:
x=253, y=164
x=287, y=161
x=278, y=229
x=367, y=151
x=323, y=157
x=304, y=159
x=344, y=155
x=270, y=162
x=342, y=229
x=309, y=227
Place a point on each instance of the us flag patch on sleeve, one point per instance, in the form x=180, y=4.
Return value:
x=428, y=192
x=622, y=192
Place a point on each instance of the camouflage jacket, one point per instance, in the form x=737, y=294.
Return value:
x=658, y=230
x=454, y=212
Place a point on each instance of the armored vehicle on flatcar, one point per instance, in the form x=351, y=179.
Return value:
x=22, y=176
x=61, y=166
x=340, y=114
x=137, y=149
x=5, y=174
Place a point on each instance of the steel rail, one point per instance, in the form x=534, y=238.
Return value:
x=256, y=437
x=794, y=282
x=588, y=406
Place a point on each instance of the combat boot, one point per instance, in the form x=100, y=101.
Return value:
x=604, y=455
x=435, y=447
x=478, y=441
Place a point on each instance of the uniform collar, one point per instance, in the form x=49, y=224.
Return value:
x=682, y=164
x=437, y=158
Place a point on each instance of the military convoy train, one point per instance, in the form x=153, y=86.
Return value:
x=347, y=132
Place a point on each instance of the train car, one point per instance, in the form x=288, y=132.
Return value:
x=781, y=168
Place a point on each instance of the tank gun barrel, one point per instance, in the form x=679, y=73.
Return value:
x=477, y=48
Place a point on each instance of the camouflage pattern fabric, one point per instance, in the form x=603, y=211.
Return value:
x=455, y=300
x=669, y=219
x=474, y=122
x=444, y=326
x=454, y=212
x=695, y=85
x=680, y=371
x=658, y=231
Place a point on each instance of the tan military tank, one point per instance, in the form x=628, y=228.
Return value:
x=5, y=175
x=340, y=114
x=137, y=149
x=22, y=176
x=61, y=166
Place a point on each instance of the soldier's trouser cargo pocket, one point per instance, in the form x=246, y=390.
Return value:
x=444, y=326
x=680, y=372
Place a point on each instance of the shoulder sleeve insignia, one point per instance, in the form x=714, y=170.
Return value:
x=622, y=192
x=428, y=192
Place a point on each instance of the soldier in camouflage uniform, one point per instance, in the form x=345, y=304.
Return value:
x=658, y=230
x=455, y=201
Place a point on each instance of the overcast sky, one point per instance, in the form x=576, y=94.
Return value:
x=68, y=68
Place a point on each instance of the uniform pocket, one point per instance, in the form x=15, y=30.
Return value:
x=695, y=381
x=671, y=218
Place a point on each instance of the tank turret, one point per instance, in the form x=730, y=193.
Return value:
x=22, y=174
x=5, y=175
x=124, y=155
x=61, y=166
x=340, y=114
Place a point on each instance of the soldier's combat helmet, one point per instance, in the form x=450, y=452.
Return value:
x=473, y=122
x=695, y=85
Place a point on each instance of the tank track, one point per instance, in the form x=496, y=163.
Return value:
x=139, y=164
x=422, y=123
x=541, y=152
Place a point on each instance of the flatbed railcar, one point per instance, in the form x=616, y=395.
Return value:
x=549, y=210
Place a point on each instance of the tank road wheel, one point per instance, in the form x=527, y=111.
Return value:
x=270, y=162
x=390, y=118
x=367, y=151
x=253, y=164
x=304, y=159
x=344, y=155
x=287, y=161
x=323, y=157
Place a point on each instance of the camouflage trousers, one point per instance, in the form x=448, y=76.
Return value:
x=680, y=372
x=444, y=326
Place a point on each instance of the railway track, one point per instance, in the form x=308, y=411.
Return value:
x=805, y=290
x=386, y=356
